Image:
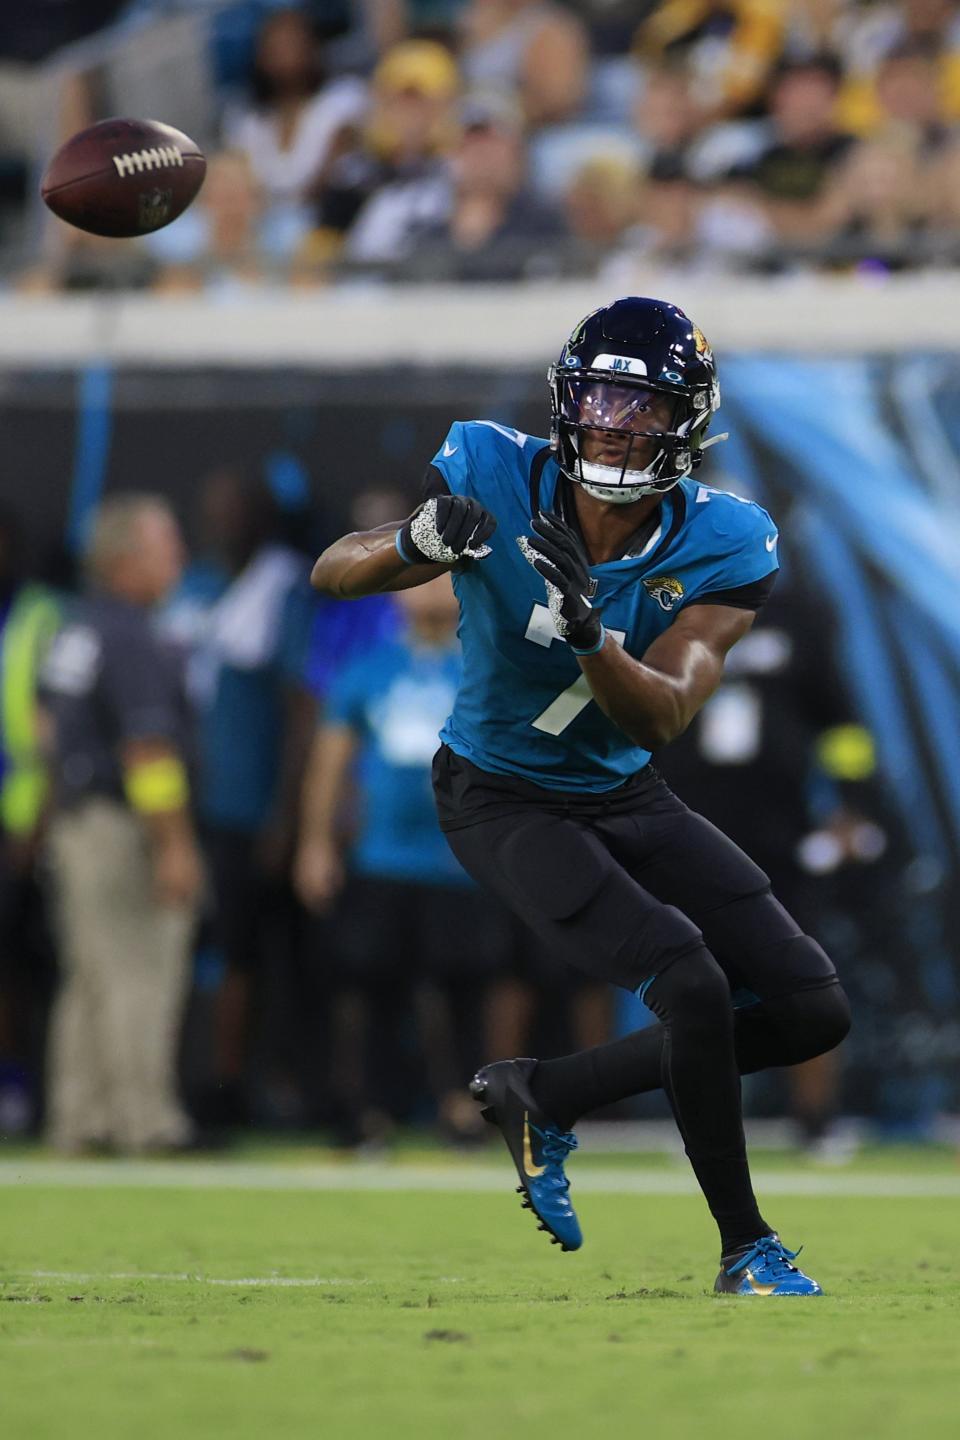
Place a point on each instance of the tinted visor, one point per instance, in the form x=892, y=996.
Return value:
x=606, y=405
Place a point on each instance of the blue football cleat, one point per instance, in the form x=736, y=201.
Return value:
x=538, y=1147
x=766, y=1269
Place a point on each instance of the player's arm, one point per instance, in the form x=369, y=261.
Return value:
x=367, y=562
x=440, y=533
x=654, y=699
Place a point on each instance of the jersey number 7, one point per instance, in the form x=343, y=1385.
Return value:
x=562, y=711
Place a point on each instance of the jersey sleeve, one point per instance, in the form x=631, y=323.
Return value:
x=752, y=596
x=485, y=460
x=740, y=547
x=454, y=461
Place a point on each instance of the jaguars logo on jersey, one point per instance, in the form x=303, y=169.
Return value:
x=665, y=589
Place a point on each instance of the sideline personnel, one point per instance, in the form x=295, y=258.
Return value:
x=125, y=866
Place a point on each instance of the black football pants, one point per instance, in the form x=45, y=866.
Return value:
x=649, y=895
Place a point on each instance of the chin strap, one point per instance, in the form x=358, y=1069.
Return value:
x=617, y=495
x=715, y=440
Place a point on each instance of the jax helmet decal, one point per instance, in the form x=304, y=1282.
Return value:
x=631, y=399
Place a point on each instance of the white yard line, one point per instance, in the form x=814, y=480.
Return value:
x=468, y=1177
x=295, y=1282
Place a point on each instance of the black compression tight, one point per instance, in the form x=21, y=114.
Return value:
x=785, y=1031
x=697, y=1054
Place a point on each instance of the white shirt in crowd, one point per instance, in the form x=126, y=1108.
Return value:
x=285, y=173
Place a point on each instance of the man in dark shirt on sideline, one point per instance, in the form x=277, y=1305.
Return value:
x=125, y=865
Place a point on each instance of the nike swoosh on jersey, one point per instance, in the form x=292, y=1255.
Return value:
x=528, y=1166
x=770, y=541
x=449, y=449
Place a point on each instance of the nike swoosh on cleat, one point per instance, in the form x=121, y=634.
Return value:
x=757, y=1287
x=449, y=450
x=531, y=1170
x=770, y=541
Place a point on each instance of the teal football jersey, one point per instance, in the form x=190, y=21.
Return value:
x=523, y=706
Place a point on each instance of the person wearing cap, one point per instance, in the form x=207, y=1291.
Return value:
x=395, y=179
x=497, y=229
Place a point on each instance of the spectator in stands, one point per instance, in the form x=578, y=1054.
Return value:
x=877, y=206
x=227, y=242
x=533, y=50
x=734, y=231
x=670, y=207
x=909, y=97
x=621, y=218
x=244, y=610
x=878, y=31
x=125, y=865
x=412, y=932
x=292, y=127
x=729, y=47
x=395, y=179
x=666, y=115
x=603, y=209
x=791, y=173
x=496, y=229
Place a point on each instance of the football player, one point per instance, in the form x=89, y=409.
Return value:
x=600, y=588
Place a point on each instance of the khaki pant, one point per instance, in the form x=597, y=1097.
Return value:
x=124, y=963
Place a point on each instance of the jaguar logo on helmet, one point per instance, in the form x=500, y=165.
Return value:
x=665, y=589
x=702, y=343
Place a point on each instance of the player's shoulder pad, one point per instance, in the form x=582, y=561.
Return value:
x=731, y=516
x=477, y=454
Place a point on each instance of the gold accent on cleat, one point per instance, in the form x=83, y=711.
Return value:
x=529, y=1168
x=756, y=1287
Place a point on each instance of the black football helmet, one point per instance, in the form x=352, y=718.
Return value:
x=610, y=375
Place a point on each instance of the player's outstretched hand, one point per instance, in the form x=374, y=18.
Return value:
x=445, y=529
x=556, y=552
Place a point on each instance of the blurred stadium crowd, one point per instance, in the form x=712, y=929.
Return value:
x=479, y=140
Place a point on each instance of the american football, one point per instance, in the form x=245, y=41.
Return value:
x=123, y=177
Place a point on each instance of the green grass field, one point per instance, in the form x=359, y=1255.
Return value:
x=179, y=1300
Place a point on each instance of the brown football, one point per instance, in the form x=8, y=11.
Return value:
x=123, y=177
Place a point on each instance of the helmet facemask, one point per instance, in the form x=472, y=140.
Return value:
x=588, y=404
